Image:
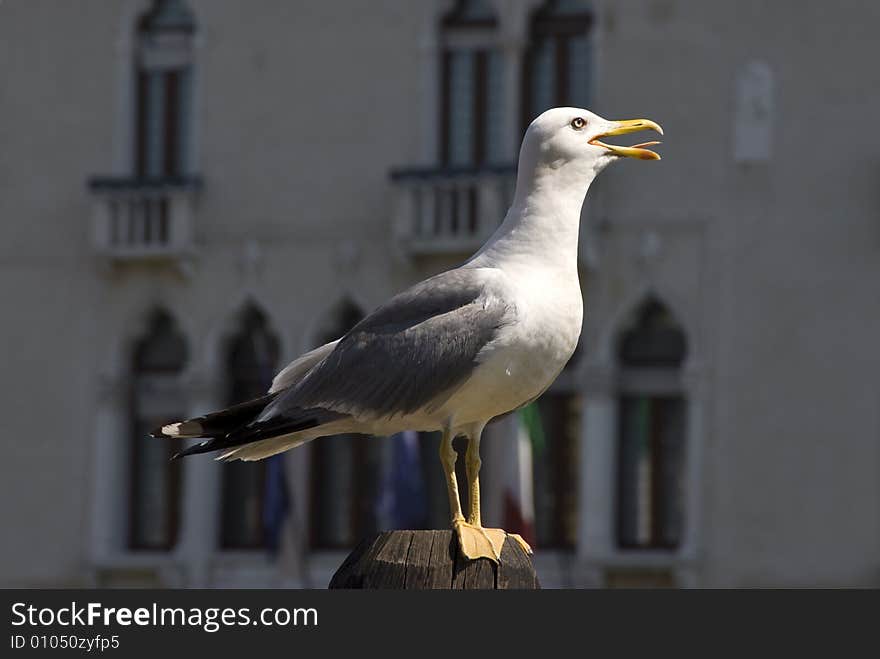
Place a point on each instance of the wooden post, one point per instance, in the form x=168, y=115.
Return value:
x=424, y=560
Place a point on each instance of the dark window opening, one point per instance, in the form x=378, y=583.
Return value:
x=471, y=89
x=158, y=359
x=557, y=70
x=163, y=91
x=555, y=468
x=652, y=417
x=251, y=360
x=650, y=463
x=655, y=341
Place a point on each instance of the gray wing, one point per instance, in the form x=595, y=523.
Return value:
x=412, y=352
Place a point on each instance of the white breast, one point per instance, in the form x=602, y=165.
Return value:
x=529, y=353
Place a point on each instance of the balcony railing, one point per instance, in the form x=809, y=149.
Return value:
x=137, y=219
x=449, y=211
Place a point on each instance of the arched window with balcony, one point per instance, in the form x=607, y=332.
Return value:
x=158, y=359
x=145, y=210
x=558, y=65
x=651, y=435
x=471, y=87
x=251, y=361
x=163, y=91
x=451, y=206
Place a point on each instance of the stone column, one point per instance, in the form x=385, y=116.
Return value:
x=695, y=396
x=596, y=509
x=109, y=471
x=293, y=559
x=201, y=497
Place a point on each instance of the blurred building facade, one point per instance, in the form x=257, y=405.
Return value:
x=194, y=192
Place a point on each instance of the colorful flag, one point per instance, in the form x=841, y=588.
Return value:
x=519, y=500
x=276, y=502
x=403, y=500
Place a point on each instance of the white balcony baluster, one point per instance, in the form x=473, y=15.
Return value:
x=449, y=212
x=135, y=220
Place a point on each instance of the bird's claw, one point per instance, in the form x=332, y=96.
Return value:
x=478, y=542
x=526, y=547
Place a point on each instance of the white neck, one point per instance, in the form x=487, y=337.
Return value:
x=541, y=228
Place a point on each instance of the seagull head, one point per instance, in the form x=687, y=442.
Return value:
x=574, y=136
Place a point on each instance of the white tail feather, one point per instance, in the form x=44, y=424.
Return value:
x=172, y=430
x=182, y=430
x=267, y=447
x=297, y=369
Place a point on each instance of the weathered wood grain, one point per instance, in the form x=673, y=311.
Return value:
x=423, y=560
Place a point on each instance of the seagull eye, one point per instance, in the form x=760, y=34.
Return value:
x=578, y=122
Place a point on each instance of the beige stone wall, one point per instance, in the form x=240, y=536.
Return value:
x=773, y=267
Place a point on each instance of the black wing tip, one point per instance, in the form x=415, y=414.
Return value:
x=256, y=431
x=275, y=427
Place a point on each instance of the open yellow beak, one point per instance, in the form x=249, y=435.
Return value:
x=630, y=126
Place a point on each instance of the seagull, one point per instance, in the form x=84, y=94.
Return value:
x=458, y=349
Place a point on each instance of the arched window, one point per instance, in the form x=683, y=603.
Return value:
x=471, y=87
x=158, y=359
x=163, y=93
x=651, y=430
x=251, y=361
x=345, y=472
x=558, y=61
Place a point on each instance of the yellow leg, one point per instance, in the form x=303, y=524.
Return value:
x=447, y=459
x=473, y=540
x=473, y=464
